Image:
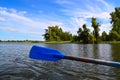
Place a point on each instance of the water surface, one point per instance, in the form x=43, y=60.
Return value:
x=15, y=63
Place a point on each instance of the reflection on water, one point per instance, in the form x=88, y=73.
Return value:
x=116, y=52
x=116, y=57
x=16, y=65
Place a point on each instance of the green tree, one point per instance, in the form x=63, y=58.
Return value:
x=54, y=33
x=114, y=36
x=75, y=38
x=104, y=36
x=91, y=38
x=83, y=35
x=79, y=32
x=96, y=30
x=46, y=35
x=66, y=36
x=115, y=20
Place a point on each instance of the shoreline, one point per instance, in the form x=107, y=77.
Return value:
x=61, y=42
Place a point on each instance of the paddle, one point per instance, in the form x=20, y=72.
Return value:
x=42, y=53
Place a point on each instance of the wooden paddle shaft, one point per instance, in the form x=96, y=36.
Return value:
x=94, y=61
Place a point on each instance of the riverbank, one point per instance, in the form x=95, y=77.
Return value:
x=55, y=42
x=60, y=42
x=31, y=41
x=110, y=42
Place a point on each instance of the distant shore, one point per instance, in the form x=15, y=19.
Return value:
x=110, y=42
x=55, y=42
x=35, y=41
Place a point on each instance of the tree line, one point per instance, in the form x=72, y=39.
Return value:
x=55, y=33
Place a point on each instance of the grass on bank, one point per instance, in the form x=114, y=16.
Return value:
x=52, y=42
x=110, y=42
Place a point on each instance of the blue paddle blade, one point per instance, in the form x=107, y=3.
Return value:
x=48, y=54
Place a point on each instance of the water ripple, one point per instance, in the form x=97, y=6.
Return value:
x=15, y=63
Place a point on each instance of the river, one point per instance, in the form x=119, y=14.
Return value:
x=15, y=63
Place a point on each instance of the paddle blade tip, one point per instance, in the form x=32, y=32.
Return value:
x=42, y=53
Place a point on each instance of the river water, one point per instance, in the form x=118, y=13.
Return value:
x=15, y=63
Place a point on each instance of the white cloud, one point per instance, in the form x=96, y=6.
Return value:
x=30, y=32
x=8, y=29
x=107, y=5
x=2, y=19
x=105, y=27
x=53, y=23
x=78, y=22
x=15, y=16
x=86, y=14
x=64, y=2
x=90, y=8
x=23, y=24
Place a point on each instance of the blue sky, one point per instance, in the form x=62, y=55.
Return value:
x=27, y=19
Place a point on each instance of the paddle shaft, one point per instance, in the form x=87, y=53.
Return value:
x=94, y=61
